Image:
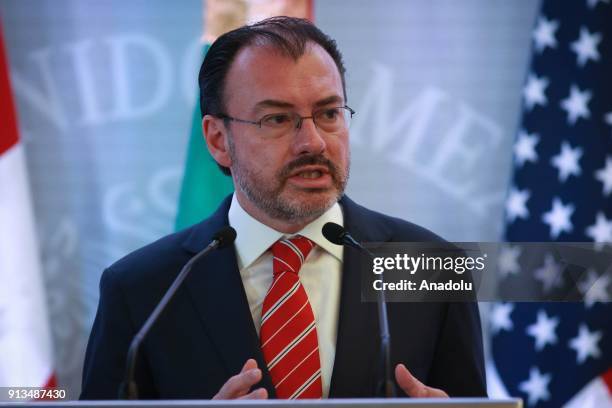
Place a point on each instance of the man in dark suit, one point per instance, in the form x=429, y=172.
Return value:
x=279, y=313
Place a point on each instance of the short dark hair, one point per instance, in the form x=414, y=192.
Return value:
x=288, y=35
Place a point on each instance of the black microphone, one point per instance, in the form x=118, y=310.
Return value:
x=129, y=389
x=338, y=235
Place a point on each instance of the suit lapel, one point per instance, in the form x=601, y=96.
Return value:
x=216, y=289
x=357, y=345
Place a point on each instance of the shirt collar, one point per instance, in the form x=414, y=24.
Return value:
x=254, y=238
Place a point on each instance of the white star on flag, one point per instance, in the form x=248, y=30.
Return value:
x=549, y=274
x=558, y=218
x=536, y=387
x=576, y=104
x=601, y=231
x=593, y=3
x=594, y=288
x=585, y=47
x=608, y=118
x=544, y=34
x=585, y=344
x=500, y=317
x=543, y=330
x=508, y=260
x=524, y=148
x=605, y=176
x=534, y=91
x=567, y=161
x=516, y=204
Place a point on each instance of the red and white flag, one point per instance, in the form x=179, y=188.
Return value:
x=25, y=340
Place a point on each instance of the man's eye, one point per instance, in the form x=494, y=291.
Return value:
x=277, y=119
x=329, y=114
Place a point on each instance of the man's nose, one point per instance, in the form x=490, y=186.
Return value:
x=308, y=138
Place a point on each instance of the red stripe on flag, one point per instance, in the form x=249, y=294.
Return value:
x=8, y=118
x=310, y=10
x=607, y=379
x=51, y=382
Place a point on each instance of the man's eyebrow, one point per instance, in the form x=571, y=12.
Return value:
x=329, y=100
x=274, y=103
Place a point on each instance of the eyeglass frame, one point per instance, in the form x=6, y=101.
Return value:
x=258, y=123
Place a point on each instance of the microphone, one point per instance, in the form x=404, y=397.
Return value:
x=336, y=234
x=129, y=389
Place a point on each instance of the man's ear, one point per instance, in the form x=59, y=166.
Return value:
x=215, y=135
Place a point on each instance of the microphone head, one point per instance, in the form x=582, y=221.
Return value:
x=225, y=236
x=334, y=233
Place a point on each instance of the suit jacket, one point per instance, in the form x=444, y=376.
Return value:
x=207, y=332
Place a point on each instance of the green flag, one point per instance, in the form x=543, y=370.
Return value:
x=203, y=184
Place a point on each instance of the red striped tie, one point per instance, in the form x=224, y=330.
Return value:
x=288, y=331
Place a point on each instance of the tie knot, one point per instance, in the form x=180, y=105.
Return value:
x=290, y=254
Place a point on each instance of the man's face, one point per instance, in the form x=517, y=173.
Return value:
x=299, y=175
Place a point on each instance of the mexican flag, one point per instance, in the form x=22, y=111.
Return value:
x=25, y=340
x=203, y=184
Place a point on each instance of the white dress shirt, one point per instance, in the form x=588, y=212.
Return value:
x=320, y=274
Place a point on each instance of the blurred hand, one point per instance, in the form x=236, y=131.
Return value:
x=238, y=386
x=413, y=387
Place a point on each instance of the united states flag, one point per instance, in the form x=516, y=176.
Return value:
x=560, y=354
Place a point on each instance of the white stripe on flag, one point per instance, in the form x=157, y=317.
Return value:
x=25, y=341
x=593, y=395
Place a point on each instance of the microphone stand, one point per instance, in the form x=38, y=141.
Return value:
x=385, y=345
x=128, y=388
x=386, y=387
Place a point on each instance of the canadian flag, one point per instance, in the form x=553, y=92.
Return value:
x=25, y=341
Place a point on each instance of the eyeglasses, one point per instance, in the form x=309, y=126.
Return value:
x=328, y=120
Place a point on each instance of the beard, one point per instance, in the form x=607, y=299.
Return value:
x=271, y=197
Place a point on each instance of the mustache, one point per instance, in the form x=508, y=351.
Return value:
x=310, y=160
